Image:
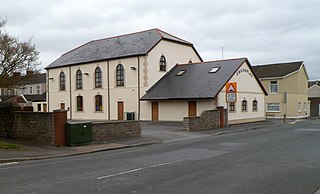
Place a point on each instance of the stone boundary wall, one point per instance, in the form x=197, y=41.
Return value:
x=34, y=127
x=209, y=119
x=112, y=130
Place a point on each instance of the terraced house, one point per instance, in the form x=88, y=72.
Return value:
x=287, y=86
x=105, y=78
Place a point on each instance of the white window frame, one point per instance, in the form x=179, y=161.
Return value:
x=273, y=85
x=305, y=107
x=299, y=106
x=273, y=105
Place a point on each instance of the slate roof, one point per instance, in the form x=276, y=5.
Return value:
x=38, y=78
x=40, y=98
x=196, y=82
x=135, y=44
x=276, y=70
x=311, y=83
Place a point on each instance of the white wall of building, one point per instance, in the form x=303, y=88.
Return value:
x=248, y=89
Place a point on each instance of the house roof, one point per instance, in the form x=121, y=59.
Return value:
x=40, y=98
x=277, y=70
x=196, y=82
x=37, y=78
x=17, y=99
x=135, y=44
x=311, y=83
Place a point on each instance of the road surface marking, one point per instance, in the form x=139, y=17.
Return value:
x=308, y=130
x=138, y=169
x=9, y=163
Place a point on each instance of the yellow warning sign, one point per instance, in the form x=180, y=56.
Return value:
x=231, y=87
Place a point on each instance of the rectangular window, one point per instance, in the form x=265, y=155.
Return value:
x=305, y=107
x=273, y=107
x=255, y=105
x=244, y=105
x=38, y=89
x=30, y=90
x=273, y=87
x=299, y=106
x=232, y=107
x=98, y=99
x=79, y=103
x=38, y=107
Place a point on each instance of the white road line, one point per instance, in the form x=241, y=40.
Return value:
x=9, y=163
x=138, y=169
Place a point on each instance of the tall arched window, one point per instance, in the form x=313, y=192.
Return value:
x=98, y=102
x=244, y=105
x=254, y=105
x=79, y=103
x=98, y=77
x=163, y=63
x=62, y=79
x=120, y=75
x=79, y=79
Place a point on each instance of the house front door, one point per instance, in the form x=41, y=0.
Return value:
x=120, y=110
x=192, y=108
x=155, y=111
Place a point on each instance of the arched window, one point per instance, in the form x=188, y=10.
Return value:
x=79, y=79
x=254, y=105
x=62, y=79
x=244, y=105
x=98, y=102
x=98, y=77
x=120, y=75
x=79, y=103
x=163, y=63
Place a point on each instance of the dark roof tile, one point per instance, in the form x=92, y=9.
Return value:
x=276, y=70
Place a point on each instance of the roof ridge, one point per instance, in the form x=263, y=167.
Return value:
x=172, y=36
x=107, y=38
x=220, y=60
x=280, y=63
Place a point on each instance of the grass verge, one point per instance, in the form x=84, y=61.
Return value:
x=9, y=146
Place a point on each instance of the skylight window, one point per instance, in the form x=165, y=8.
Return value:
x=181, y=72
x=214, y=70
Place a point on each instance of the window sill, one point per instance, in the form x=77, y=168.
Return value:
x=98, y=111
x=272, y=111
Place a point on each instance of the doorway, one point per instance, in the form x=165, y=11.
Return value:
x=192, y=108
x=155, y=111
x=120, y=110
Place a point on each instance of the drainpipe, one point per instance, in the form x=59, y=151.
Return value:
x=138, y=88
x=48, y=91
x=108, y=80
x=70, y=95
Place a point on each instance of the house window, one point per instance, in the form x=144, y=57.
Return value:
x=305, y=107
x=273, y=87
x=98, y=78
x=163, y=63
x=62, y=79
x=299, y=106
x=30, y=89
x=38, y=107
x=62, y=106
x=244, y=105
x=79, y=79
x=255, y=105
x=38, y=89
x=214, y=70
x=98, y=102
x=79, y=103
x=120, y=75
x=273, y=107
x=232, y=107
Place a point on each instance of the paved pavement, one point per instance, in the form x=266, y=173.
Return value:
x=152, y=132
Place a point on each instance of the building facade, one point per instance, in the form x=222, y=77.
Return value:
x=104, y=79
x=287, y=87
x=314, y=97
x=189, y=89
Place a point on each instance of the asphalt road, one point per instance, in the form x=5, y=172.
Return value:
x=269, y=160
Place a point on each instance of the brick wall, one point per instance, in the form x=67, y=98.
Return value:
x=209, y=119
x=35, y=127
x=115, y=130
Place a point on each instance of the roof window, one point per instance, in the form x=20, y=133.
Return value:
x=214, y=70
x=181, y=72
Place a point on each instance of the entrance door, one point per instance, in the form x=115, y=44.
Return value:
x=62, y=106
x=192, y=108
x=45, y=108
x=120, y=110
x=155, y=111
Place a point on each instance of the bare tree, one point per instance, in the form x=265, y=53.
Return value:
x=15, y=56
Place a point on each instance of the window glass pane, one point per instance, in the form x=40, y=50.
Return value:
x=98, y=99
x=163, y=63
x=79, y=79
x=120, y=75
x=98, y=78
x=79, y=103
x=273, y=87
x=273, y=107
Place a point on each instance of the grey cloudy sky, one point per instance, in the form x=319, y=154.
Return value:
x=265, y=31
